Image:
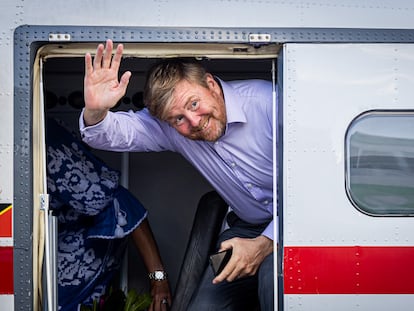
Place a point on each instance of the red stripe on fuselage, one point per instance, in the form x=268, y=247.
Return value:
x=348, y=270
x=6, y=270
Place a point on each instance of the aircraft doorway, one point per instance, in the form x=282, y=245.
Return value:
x=159, y=180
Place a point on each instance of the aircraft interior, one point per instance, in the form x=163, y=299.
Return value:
x=168, y=186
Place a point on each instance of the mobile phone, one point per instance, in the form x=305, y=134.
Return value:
x=219, y=260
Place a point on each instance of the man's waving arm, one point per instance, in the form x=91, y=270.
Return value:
x=102, y=89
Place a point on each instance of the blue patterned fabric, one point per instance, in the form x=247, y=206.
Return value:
x=95, y=215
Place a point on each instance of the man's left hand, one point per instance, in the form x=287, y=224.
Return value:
x=247, y=256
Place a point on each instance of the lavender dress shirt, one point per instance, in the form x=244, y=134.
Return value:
x=239, y=165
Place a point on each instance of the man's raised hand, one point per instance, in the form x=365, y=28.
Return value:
x=102, y=89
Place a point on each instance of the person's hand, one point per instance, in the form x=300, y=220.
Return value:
x=161, y=296
x=246, y=257
x=102, y=89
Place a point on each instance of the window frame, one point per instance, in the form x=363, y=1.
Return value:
x=356, y=202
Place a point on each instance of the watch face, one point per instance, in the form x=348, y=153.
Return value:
x=159, y=275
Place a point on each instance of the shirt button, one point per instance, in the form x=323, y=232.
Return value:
x=249, y=185
x=265, y=202
x=233, y=164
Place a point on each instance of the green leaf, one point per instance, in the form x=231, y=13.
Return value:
x=130, y=299
x=137, y=302
x=85, y=308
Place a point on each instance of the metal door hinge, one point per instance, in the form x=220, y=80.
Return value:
x=44, y=202
x=259, y=38
x=59, y=37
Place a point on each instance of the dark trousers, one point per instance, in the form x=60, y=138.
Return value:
x=242, y=294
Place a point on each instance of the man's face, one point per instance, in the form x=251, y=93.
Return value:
x=197, y=112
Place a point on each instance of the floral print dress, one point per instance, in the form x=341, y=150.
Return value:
x=95, y=215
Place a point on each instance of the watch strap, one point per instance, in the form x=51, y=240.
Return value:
x=157, y=275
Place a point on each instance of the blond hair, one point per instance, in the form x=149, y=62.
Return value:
x=162, y=79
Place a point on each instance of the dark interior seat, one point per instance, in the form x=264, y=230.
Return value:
x=207, y=224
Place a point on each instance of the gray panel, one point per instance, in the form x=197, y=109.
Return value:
x=227, y=35
x=23, y=186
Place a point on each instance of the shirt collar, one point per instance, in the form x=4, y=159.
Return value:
x=233, y=102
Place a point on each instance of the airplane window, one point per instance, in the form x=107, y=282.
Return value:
x=380, y=163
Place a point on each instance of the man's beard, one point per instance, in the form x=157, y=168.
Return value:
x=213, y=131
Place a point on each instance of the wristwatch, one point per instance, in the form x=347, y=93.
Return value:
x=157, y=275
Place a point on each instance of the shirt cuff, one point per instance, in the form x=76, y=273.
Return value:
x=81, y=121
x=82, y=125
x=92, y=130
x=271, y=230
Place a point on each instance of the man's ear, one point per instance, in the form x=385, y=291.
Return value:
x=212, y=83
